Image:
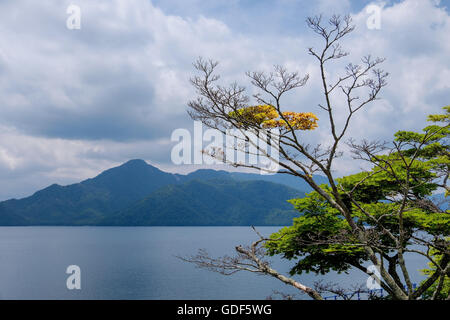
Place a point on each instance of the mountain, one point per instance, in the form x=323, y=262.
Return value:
x=281, y=178
x=121, y=195
x=210, y=203
x=89, y=201
x=207, y=174
x=130, y=182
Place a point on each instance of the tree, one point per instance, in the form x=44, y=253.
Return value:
x=372, y=216
x=440, y=289
x=391, y=202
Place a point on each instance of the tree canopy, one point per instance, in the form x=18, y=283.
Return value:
x=374, y=216
x=267, y=116
x=395, y=191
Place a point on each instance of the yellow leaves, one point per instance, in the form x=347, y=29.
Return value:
x=255, y=114
x=268, y=117
x=294, y=120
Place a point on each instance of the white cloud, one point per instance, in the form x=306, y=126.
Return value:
x=29, y=163
x=75, y=102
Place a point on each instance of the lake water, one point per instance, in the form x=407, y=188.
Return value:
x=137, y=263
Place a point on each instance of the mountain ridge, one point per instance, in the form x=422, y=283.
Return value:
x=97, y=200
x=212, y=202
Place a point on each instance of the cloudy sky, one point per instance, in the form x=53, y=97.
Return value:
x=75, y=102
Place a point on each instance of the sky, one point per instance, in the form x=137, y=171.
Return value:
x=74, y=102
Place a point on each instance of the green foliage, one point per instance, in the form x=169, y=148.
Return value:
x=445, y=289
x=318, y=222
x=431, y=146
x=381, y=184
x=320, y=239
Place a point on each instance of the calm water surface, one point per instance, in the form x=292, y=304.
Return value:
x=136, y=263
